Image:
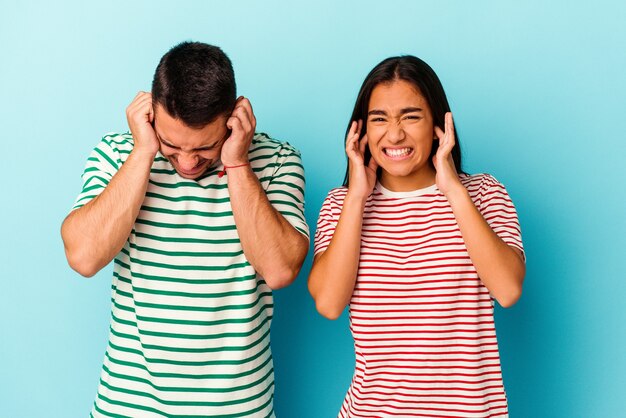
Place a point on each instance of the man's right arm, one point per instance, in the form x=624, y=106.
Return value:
x=95, y=233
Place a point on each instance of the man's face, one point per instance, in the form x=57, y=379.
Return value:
x=191, y=151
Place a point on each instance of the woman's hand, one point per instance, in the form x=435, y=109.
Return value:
x=447, y=178
x=362, y=179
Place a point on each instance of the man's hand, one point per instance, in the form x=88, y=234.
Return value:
x=140, y=115
x=242, y=124
x=96, y=232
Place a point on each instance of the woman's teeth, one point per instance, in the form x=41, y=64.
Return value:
x=398, y=152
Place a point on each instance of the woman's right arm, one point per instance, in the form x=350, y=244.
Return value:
x=333, y=275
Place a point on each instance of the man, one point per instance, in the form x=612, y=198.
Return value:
x=202, y=218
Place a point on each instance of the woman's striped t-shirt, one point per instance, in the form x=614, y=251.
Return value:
x=190, y=327
x=421, y=319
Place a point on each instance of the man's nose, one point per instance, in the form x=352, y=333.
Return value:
x=187, y=161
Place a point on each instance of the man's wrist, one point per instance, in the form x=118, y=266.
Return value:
x=235, y=162
x=143, y=154
x=237, y=167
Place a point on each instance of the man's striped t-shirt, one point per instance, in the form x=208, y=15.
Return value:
x=190, y=327
x=421, y=319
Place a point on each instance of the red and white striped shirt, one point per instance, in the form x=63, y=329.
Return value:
x=421, y=319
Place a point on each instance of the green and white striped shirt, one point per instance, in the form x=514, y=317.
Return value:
x=190, y=327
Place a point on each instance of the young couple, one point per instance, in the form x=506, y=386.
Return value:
x=203, y=218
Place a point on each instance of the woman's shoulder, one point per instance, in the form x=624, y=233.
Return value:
x=337, y=194
x=479, y=181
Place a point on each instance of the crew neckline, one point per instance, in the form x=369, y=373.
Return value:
x=411, y=193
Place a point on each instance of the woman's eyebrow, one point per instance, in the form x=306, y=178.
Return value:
x=402, y=111
x=410, y=110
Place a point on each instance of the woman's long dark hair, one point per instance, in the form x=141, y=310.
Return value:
x=420, y=75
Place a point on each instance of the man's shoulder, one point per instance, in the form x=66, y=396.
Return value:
x=117, y=140
x=264, y=144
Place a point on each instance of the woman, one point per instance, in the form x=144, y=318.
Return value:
x=419, y=252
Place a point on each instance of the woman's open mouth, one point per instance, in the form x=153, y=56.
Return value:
x=398, y=153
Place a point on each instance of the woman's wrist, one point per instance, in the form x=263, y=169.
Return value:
x=355, y=199
x=457, y=194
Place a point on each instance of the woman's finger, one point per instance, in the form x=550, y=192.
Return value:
x=351, y=145
x=440, y=134
x=450, y=127
x=372, y=165
x=363, y=144
x=449, y=124
x=351, y=131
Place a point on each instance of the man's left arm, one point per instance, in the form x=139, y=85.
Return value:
x=271, y=244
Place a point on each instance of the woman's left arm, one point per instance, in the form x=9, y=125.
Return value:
x=500, y=266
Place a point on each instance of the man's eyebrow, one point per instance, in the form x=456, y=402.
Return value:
x=166, y=142
x=207, y=147
x=213, y=145
x=377, y=112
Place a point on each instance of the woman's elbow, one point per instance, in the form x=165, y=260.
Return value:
x=328, y=308
x=328, y=311
x=510, y=298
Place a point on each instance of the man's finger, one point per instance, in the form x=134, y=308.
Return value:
x=241, y=114
x=245, y=103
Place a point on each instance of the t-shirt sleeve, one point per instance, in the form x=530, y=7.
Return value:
x=498, y=210
x=326, y=224
x=286, y=190
x=102, y=164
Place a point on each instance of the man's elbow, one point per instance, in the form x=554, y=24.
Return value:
x=78, y=260
x=81, y=264
x=279, y=278
x=82, y=255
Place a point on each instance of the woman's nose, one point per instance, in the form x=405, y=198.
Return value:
x=395, y=132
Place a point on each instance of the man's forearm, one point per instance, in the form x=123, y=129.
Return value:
x=275, y=249
x=96, y=232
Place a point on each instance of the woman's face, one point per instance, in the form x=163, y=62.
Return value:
x=400, y=135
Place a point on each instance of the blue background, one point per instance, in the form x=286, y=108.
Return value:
x=538, y=94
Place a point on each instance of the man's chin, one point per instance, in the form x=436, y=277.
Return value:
x=192, y=175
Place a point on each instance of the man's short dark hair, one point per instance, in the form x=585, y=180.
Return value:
x=195, y=82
